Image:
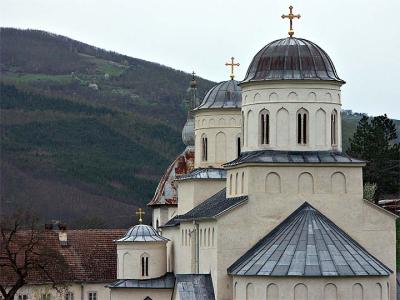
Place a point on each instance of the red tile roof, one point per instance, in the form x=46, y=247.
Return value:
x=90, y=256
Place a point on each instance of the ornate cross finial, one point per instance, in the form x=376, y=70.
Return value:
x=291, y=16
x=232, y=64
x=140, y=212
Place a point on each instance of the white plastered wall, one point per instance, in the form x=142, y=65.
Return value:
x=222, y=127
x=283, y=100
x=129, y=294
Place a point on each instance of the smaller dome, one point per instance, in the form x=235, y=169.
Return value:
x=226, y=94
x=142, y=233
x=188, y=133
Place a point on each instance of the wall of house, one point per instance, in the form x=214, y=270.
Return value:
x=34, y=292
x=222, y=127
x=278, y=288
x=129, y=259
x=192, y=192
x=141, y=294
x=162, y=214
x=282, y=101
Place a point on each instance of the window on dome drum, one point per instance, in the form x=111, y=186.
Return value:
x=238, y=146
x=22, y=297
x=69, y=296
x=145, y=265
x=46, y=297
x=302, y=126
x=334, y=130
x=264, y=127
x=204, y=154
x=92, y=295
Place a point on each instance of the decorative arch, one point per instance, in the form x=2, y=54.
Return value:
x=220, y=147
x=338, y=183
x=273, y=97
x=330, y=292
x=249, y=133
x=273, y=183
x=204, y=123
x=250, y=292
x=232, y=122
x=378, y=291
x=144, y=264
x=211, y=122
x=282, y=127
x=245, y=99
x=235, y=291
x=312, y=97
x=300, y=292
x=272, y=291
x=358, y=291
x=264, y=127
x=306, y=183
x=292, y=96
x=320, y=127
x=302, y=118
x=126, y=262
x=221, y=122
x=257, y=97
x=328, y=97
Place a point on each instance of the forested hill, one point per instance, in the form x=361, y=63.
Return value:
x=86, y=133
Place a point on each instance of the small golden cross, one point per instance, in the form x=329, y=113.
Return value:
x=232, y=64
x=291, y=16
x=140, y=212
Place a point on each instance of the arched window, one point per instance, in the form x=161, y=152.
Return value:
x=334, y=126
x=236, y=183
x=264, y=127
x=204, y=148
x=242, y=184
x=302, y=126
x=145, y=264
x=208, y=237
x=212, y=240
x=157, y=224
x=230, y=184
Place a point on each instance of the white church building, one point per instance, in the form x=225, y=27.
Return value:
x=263, y=203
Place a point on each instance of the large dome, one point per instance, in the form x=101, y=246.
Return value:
x=226, y=94
x=291, y=59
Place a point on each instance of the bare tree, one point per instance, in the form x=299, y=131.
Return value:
x=25, y=253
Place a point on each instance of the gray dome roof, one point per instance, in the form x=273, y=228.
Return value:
x=226, y=94
x=142, y=233
x=188, y=132
x=291, y=59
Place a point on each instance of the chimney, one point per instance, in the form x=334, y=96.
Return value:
x=62, y=234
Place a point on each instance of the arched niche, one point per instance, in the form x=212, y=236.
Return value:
x=282, y=127
x=242, y=184
x=273, y=183
x=250, y=292
x=235, y=286
x=250, y=131
x=320, y=127
x=330, y=292
x=378, y=292
x=300, y=292
x=328, y=97
x=126, y=263
x=312, y=97
x=357, y=292
x=232, y=122
x=221, y=122
x=211, y=123
x=244, y=99
x=273, y=97
x=257, y=98
x=272, y=291
x=220, y=147
x=292, y=96
x=204, y=123
x=306, y=183
x=338, y=183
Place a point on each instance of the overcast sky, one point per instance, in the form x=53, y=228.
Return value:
x=361, y=36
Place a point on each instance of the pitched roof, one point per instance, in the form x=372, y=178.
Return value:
x=90, y=256
x=164, y=282
x=213, y=207
x=195, y=286
x=307, y=243
x=172, y=222
x=204, y=173
x=298, y=157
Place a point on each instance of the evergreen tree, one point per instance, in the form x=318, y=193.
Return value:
x=374, y=141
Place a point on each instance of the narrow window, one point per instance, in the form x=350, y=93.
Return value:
x=147, y=266
x=236, y=184
x=242, y=185
x=230, y=184
x=302, y=127
x=69, y=296
x=208, y=237
x=264, y=127
x=204, y=148
x=334, y=128
x=238, y=146
x=213, y=237
x=22, y=297
x=92, y=295
x=142, y=264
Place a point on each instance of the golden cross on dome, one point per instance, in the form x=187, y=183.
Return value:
x=291, y=16
x=232, y=64
x=140, y=212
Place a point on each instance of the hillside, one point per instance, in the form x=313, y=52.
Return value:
x=86, y=133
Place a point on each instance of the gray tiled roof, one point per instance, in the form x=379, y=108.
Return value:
x=204, y=173
x=142, y=233
x=213, y=207
x=172, y=222
x=308, y=244
x=164, y=282
x=195, y=286
x=298, y=157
